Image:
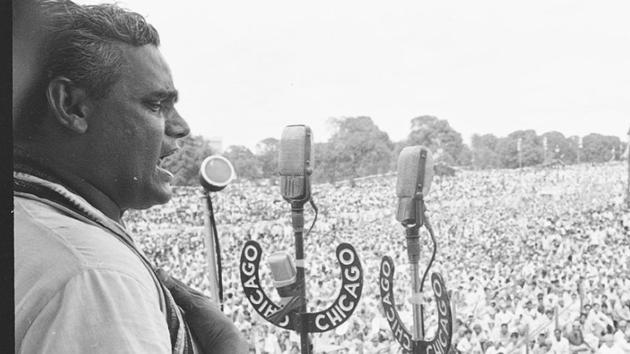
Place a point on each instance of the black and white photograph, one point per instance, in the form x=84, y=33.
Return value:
x=284, y=177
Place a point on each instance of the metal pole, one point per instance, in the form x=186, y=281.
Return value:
x=545, y=149
x=297, y=219
x=413, y=251
x=579, y=148
x=211, y=258
x=519, y=148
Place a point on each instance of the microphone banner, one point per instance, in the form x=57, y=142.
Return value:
x=322, y=321
x=440, y=344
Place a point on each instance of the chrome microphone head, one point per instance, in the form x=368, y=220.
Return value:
x=284, y=274
x=295, y=163
x=415, y=173
x=215, y=173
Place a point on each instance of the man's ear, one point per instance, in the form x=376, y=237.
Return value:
x=68, y=103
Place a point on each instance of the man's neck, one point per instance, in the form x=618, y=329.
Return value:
x=55, y=171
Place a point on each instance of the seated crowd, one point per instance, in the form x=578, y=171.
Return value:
x=535, y=261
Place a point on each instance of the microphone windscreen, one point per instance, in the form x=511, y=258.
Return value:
x=283, y=273
x=216, y=172
x=295, y=151
x=410, y=170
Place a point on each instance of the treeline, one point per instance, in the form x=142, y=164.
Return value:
x=359, y=148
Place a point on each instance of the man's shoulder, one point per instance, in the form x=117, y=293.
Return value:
x=65, y=241
x=52, y=247
x=56, y=254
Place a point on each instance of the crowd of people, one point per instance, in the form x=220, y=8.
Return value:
x=535, y=260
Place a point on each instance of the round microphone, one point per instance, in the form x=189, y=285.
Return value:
x=215, y=173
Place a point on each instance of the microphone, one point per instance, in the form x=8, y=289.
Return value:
x=215, y=173
x=415, y=173
x=284, y=276
x=296, y=163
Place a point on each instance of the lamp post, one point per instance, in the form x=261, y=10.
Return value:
x=579, y=148
x=519, y=147
x=545, y=155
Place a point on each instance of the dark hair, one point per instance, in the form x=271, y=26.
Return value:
x=81, y=44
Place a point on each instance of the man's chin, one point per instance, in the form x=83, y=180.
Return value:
x=162, y=189
x=164, y=194
x=156, y=195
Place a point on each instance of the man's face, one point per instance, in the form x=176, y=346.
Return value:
x=133, y=128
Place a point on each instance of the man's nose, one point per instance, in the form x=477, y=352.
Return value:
x=176, y=126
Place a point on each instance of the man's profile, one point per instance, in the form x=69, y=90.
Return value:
x=91, y=130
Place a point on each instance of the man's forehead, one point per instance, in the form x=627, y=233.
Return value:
x=146, y=70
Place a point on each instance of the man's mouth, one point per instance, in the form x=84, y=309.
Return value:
x=161, y=161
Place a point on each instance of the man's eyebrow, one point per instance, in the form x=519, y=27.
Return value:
x=165, y=95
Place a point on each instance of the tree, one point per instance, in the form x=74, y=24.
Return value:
x=465, y=156
x=559, y=147
x=600, y=148
x=531, y=149
x=245, y=163
x=398, y=146
x=325, y=165
x=360, y=147
x=572, y=155
x=185, y=163
x=484, y=153
x=436, y=134
x=267, y=151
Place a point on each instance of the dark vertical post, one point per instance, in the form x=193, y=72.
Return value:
x=297, y=219
x=579, y=148
x=210, y=241
x=520, y=156
x=413, y=252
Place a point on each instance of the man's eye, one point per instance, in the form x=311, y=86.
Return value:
x=154, y=106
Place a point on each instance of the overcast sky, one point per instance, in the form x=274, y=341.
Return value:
x=245, y=69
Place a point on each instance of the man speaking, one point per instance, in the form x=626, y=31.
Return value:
x=90, y=134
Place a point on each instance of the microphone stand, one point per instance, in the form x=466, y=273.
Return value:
x=212, y=252
x=297, y=220
x=296, y=190
x=413, y=253
x=413, y=341
x=293, y=315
